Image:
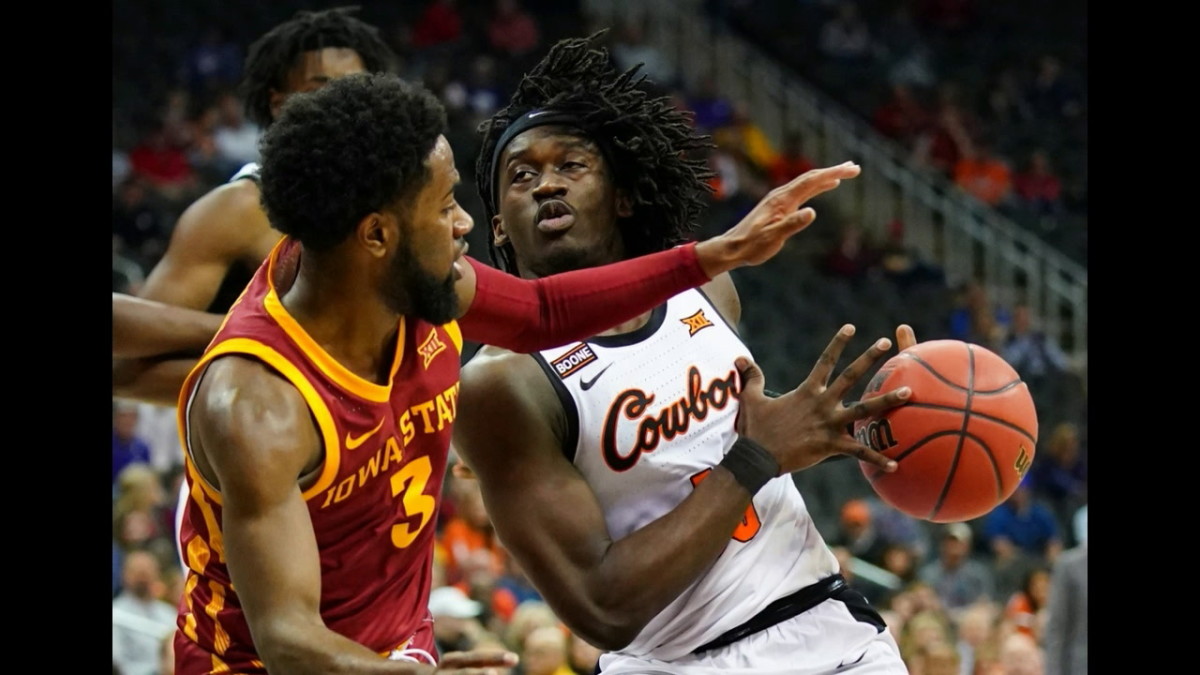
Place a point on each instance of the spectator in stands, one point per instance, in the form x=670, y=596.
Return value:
x=978, y=319
x=852, y=256
x=545, y=652
x=235, y=137
x=958, y=580
x=164, y=166
x=1038, y=188
x=1059, y=474
x=1037, y=358
x=975, y=628
x=1019, y=655
x=791, y=161
x=141, y=620
x=139, y=222
x=712, y=110
x=983, y=174
x=941, y=143
x=456, y=625
x=1025, y=609
x=901, y=117
x=857, y=533
x=439, y=25
x=512, y=32
x=127, y=447
x=212, y=64
x=141, y=516
x=745, y=139
x=845, y=38
x=1052, y=94
x=1025, y=524
x=470, y=540
x=630, y=48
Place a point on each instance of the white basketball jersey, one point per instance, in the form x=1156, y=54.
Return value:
x=653, y=411
x=248, y=171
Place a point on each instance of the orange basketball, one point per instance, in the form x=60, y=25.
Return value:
x=964, y=439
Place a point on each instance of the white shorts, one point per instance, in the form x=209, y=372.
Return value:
x=824, y=640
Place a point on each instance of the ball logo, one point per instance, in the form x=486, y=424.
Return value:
x=1022, y=463
x=877, y=435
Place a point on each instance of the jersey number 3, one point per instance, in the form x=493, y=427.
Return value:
x=750, y=524
x=411, y=481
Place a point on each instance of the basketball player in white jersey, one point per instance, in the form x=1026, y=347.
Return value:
x=220, y=240
x=640, y=477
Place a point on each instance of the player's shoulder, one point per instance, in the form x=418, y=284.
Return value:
x=238, y=380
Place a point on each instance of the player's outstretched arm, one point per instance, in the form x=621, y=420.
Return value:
x=148, y=328
x=253, y=436
x=527, y=315
x=211, y=235
x=549, y=518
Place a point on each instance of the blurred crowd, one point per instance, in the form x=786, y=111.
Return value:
x=969, y=598
x=991, y=96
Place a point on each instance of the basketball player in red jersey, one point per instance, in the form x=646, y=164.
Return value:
x=318, y=423
x=642, y=480
x=224, y=236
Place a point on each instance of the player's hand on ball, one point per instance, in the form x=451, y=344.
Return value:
x=479, y=662
x=809, y=424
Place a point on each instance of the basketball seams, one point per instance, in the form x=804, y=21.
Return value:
x=1001, y=390
x=975, y=413
x=961, y=432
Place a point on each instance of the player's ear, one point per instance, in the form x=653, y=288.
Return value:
x=499, y=236
x=624, y=204
x=375, y=232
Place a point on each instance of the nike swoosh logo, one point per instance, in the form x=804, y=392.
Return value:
x=540, y=112
x=587, y=384
x=352, y=443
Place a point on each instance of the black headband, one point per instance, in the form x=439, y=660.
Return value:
x=534, y=118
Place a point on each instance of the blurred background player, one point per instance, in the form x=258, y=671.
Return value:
x=224, y=236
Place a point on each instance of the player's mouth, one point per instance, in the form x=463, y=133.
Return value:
x=458, y=260
x=554, y=216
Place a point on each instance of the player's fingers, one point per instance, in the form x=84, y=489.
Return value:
x=798, y=220
x=866, y=454
x=875, y=405
x=905, y=337
x=859, y=367
x=812, y=183
x=482, y=658
x=819, y=376
x=752, y=377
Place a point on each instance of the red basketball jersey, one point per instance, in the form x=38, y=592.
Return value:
x=374, y=504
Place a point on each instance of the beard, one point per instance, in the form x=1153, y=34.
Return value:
x=411, y=290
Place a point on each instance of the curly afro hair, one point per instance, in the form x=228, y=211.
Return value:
x=274, y=54
x=345, y=150
x=651, y=145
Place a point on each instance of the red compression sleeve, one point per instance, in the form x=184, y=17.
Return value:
x=527, y=315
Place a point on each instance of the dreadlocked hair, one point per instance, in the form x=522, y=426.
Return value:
x=650, y=145
x=274, y=54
